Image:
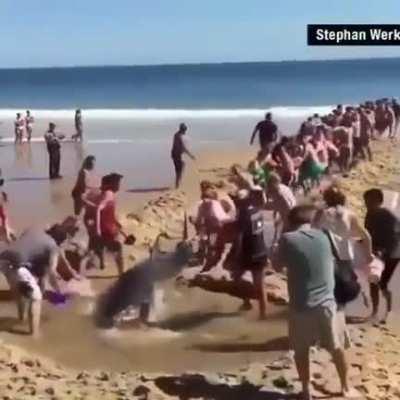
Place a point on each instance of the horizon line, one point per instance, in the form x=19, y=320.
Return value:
x=175, y=64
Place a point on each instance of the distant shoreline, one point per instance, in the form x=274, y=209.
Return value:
x=195, y=64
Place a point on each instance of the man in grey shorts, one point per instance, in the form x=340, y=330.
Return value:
x=307, y=255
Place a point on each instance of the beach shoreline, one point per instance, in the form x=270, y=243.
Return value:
x=242, y=330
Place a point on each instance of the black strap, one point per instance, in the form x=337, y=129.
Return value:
x=333, y=246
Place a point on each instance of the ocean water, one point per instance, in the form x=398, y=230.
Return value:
x=131, y=113
x=201, y=87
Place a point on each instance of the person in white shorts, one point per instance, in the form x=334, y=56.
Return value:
x=27, y=293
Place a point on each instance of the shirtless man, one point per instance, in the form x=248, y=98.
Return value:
x=366, y=132
x=29, y=121
x=358, y=151
x=281, y=200
x=390, y=120
x=344, y=135
x=285, y=162
x=396, y=110
x=381, y=118
x=19, y=124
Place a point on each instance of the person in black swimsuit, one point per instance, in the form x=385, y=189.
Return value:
x=179, y=148
x=267, y=133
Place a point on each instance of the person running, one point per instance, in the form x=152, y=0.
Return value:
x=281, y=201
x=344, y=136
x=87, y=180
x=384, y=228
x=307, y=128
x=261, y=167
x=396, y=110
x=29, y=121
x=179, y=148
x=285, y=163
x=19, y=124
x=344, y=228
x=78, y=137
x=307, y=255
x=267, y=133
x=107, y=226
x=53, y=142
x=381, y=118
x=249, y=250
x=311, y=169
x=366, y=133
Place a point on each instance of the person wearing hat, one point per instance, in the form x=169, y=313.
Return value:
x=107, y=226
x=54, y=149
x=179, y=148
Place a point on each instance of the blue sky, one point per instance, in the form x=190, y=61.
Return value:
x=105, y=32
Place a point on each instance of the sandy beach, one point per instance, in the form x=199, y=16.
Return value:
x=196, y=331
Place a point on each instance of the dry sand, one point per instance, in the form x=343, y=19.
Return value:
x=231, y=356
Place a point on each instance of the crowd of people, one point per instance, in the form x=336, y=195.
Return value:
x=23, y=127
x=316, y=243
x=323, y=144
x=328, y=254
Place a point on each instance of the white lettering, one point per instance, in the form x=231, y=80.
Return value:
x=376, y=34
x=320, y=34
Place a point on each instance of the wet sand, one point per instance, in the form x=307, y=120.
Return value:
x=196, y=330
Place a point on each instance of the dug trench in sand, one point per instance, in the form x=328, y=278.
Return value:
x=191, y=332
x=374, y=358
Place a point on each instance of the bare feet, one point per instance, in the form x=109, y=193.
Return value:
x=365, y=300
x=386, y=318
x=306, y=395
x=262, y=317
x=374, y=319
x=246, y=306
x=351, y=393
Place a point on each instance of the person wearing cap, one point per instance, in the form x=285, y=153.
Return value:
x=179, y=148
x=54, y=149
x=107, y=226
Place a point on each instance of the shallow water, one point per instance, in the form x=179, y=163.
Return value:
x=197, y=331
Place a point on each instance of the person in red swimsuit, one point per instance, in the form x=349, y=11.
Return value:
x=107, y=225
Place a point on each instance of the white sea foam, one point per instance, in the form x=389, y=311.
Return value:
x=162, y=114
